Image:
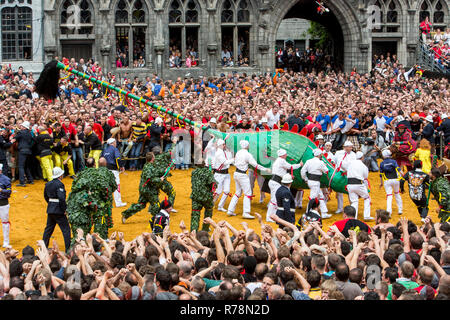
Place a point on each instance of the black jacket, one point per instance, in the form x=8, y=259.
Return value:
x=3, y=146
x=286, y=204
x=55, y=195
x=428, y=132
x=24, y=141
x=445, y=128
x=293, y=120
x=92, y=142
x=59, y=148
x=44, y=144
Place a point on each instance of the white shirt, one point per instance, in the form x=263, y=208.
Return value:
x=358, y=170
x=280, y=167
x=222, y=159
x=272, y=118
x=243, y=158
x=341, y=159
x=210, y=151
x=349, y=123
x=330, y=156
x=313, y=166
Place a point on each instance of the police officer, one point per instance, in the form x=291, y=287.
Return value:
x=55, y=195
x=113, y=163
x=44, y=144
x=221, y=164
x=390, y=176
x=5, y=193
x=341, y=157
x=285, y=200
x=311, y=173
x=241, y=160
x=357, y=180
x=279, y=168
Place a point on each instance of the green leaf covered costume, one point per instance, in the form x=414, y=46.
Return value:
x=90, y=201
x=440, y=188
x=202, y=181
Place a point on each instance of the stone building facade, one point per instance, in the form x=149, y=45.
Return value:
x=103, y=28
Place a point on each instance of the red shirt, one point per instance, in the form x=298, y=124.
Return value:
x=425, y=27
x=437, y=52
x=70, y=131
x=111, y=121
x=98, y=130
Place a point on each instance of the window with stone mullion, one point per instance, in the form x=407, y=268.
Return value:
x=16, y=29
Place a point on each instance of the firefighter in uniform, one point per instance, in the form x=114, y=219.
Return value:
x=311, y=173
x=418, y=182
x=63, y=152
x=390, y=176
x=221, y=164
x=242, y=160
x=357, y=182
x=5, y=193
x=55, y=196
x=285, y=200
x=341, y=157
x=114, y=164
x=44, y=144
x=279, y=168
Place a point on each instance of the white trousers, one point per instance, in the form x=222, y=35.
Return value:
x=117, y=196
x=4, y=216
x=316, y=192
x=223, y=186
x=242, y=182
x=299, y=199
x=356, y=191
x=272, y=207
x=392, y=187
x=260, y=179
x=340, y=201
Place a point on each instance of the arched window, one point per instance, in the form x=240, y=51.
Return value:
x=438, y=14
x=235, y=27
x=424, y=11
x=16, y=32
x=76, y=17
x=184, y=26
x=131, y=29
x=389, y=16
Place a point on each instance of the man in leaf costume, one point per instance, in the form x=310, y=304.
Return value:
x=90, y=200
x=203, y=183
x=440, y=188
x=153, y=179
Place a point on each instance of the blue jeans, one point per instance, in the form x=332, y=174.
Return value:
x=78, y=160
x=24, y=162
x=135, y=153
x=372, y=164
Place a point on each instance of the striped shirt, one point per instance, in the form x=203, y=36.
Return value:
x=139, y=131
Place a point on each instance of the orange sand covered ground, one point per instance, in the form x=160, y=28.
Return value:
x=28, y=208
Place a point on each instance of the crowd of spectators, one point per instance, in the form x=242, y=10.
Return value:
x=437, y=43
x=392, y=262
x=386, y=262
x=304, y=61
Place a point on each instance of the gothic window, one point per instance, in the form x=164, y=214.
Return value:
x=184, y=27
x=16, y=29
x=438, y=15
x=389, y=16
x=424, y=11
x=236, y=26
x=77, y=17
x=131, y=30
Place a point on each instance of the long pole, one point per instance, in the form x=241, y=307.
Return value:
x=128, y=94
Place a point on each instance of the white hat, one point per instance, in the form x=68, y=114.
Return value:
x=111, y=141
x=348, y=143
x=220, y=142
x=444, y=115
x=213, y=120
x=244, y=144
x=263, y=120
x=359, y=155
x=26, y=124
x=429, y=118
x=158, y=120
x=281, y=152
x=319, y=136
x=57, y=172
x=317, y=152
x=328, y=143
x=386, y=153
x=287, y=178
